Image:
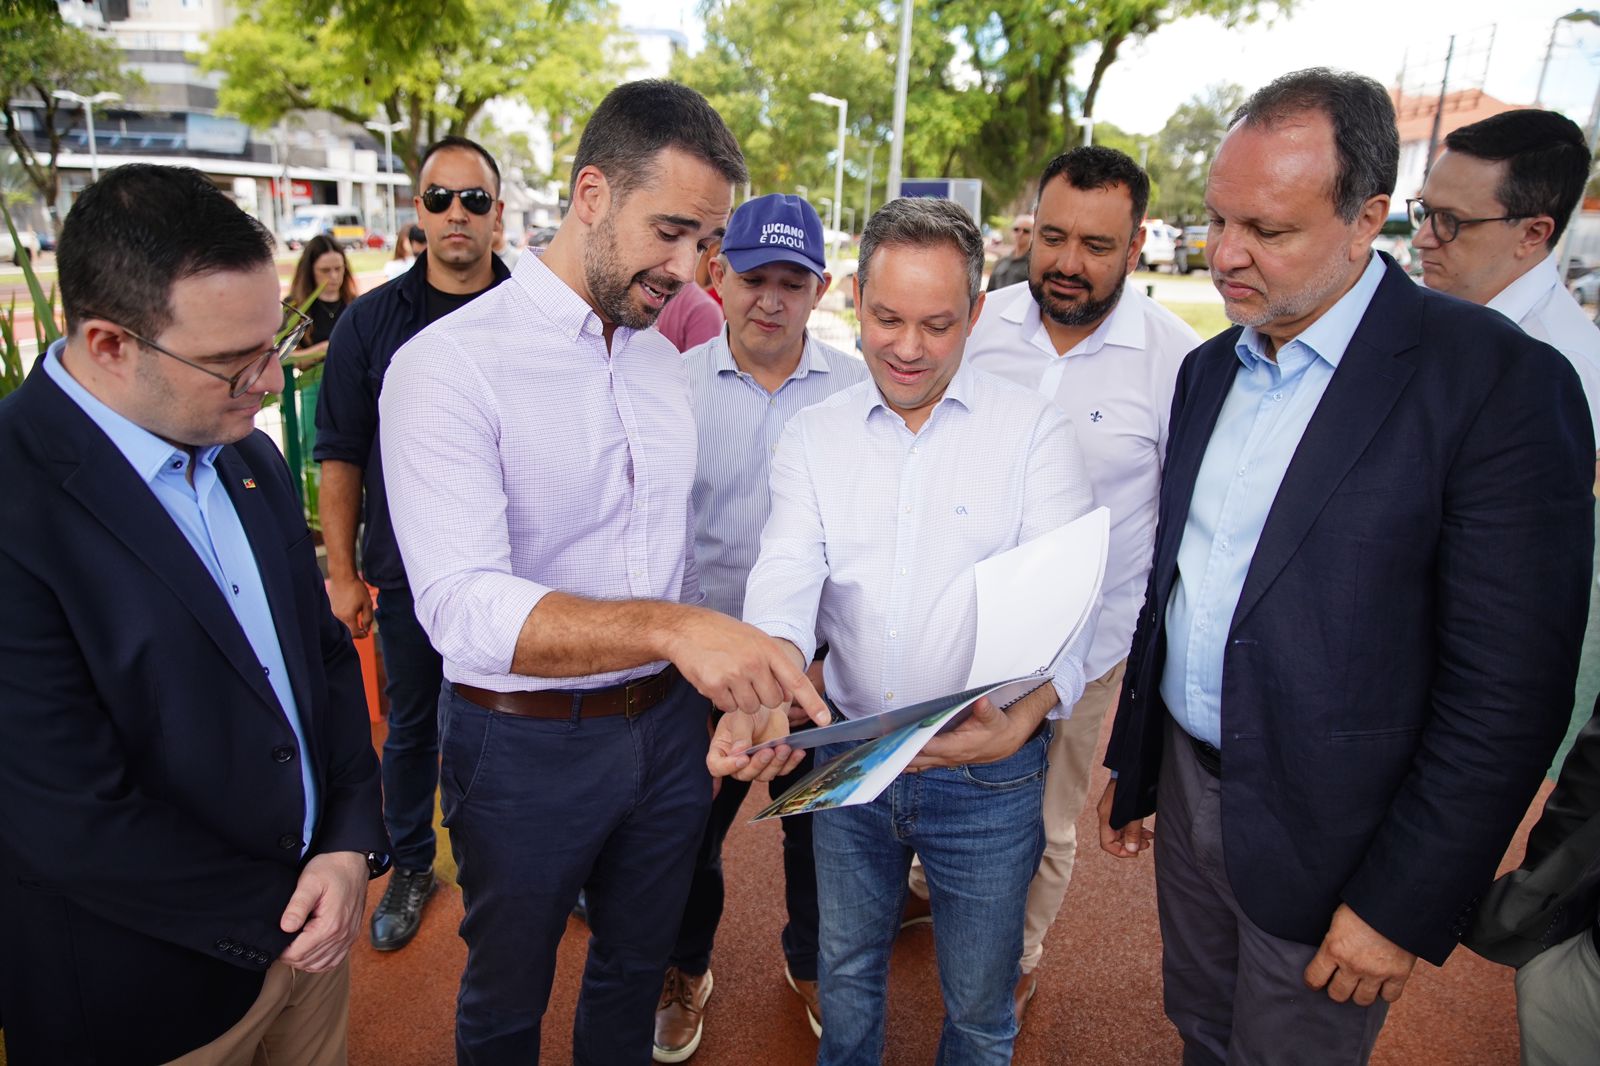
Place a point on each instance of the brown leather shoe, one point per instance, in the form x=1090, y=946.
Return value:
x=918, y=911
x=807, y=991
x=1026, y=987
x=680, y=1015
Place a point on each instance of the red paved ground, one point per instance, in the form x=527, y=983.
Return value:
x=1099, y=999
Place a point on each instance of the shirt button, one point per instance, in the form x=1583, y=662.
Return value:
x=236, y=590
x=891, y=634
x=1241, y=471
x=266, y=672
x=906, y=509
x=902, y=571
x=888, y=695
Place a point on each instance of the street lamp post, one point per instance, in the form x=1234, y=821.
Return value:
x=388, y=129
x=902, y=74
x=88, y=104
x=838, y=165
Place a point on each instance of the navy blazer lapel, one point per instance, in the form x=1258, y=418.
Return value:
x=265, y=534
x=1214, y=368
x=101, y=480
x=1359, y=397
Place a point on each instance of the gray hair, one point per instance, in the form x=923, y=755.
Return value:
x=922, y=222
x=1364, y=132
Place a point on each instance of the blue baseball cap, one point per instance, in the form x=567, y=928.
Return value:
x=775, y=228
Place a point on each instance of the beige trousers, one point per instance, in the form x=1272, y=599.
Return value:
x=1066, y=786
x=299, y=1019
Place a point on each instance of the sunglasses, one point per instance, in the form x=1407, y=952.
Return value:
x=436, y=198
x=284, y=342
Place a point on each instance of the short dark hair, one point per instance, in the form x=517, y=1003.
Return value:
x=1099, y=167
x=1547, y=162
x=923, y=222
x=461, y=144
x=1365, y=136
x=640, y=118
x=140, y=229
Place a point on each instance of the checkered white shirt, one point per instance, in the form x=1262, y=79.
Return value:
x=520, y=457
x=875, y=530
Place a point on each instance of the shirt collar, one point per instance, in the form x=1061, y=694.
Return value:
x=1123, y=327
x=1517, y=299
x=812, y=359
x=557, y=301
x=959, y=391
x=1329, y=336
x=147, y=453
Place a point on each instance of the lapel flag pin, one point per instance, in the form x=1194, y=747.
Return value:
x=249, y=482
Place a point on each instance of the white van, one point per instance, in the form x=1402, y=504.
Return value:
x=1160, y=245
x=343, y=224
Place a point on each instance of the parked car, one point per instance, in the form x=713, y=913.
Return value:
x=1579, y=265
x=18, y=252
x=1586, y=290
x=1194, y=249
x=343, y=224
x=1160, y=246
x=1395, y=238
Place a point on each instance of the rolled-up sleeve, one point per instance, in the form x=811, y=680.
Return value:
x=785, y=585
x=1057, y=491
x=442, y=469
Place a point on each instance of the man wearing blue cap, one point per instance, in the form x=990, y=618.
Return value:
x=746, y=383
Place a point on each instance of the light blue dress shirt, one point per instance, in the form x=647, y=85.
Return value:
x=739, y=422
x=1262, y=421
x=204, y=513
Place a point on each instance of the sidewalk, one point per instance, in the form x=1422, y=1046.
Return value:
x=1099, y=999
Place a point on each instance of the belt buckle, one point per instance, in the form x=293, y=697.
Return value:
x=631, y=700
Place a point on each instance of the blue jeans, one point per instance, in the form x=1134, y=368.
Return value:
x=980, y=832
x=410, y=770
x=537, y=810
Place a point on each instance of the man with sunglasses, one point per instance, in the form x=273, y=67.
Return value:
x=189, y=808
x=1487, y=222
x=457, y=210
x=1014, y=267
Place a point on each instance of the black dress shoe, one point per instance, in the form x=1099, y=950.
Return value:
x=399, y=912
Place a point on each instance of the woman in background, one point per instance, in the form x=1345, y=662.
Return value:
x=323, y=270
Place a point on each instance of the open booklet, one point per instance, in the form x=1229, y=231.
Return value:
x=1033, y=602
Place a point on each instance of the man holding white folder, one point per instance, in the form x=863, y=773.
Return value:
x=884, y=496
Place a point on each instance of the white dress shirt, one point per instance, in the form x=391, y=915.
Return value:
x=521, y=456
x=1546, y=311
x=875, y=530
x=738, y=422
x=1116, y=386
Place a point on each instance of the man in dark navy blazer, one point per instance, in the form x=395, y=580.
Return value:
x=189, y=805
x=1358, y=647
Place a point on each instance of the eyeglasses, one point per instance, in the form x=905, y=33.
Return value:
x=284, y=342
x=436, y=198
x=1446, y=226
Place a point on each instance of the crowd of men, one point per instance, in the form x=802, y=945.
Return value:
x=1347, y=585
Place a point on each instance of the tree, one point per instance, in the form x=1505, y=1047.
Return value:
x=39, y=54
x=1184, y=150
x=992, y=94
x=433, y=66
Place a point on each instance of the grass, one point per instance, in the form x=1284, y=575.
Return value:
x=1208, y=320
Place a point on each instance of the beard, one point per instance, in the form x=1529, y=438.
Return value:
x=1084, y=312
x=612, y=292
x=1289, y=306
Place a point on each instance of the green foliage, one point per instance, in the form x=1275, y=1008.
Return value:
x=46, y=327
x=991, y=94
x=39, y=54
x=433, y=66
x=1183, y=152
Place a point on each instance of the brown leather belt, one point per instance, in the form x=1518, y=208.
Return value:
x=631, y=699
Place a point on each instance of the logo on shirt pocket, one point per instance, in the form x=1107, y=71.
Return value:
x=961, y=510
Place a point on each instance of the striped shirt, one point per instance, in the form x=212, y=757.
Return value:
x=521, y=456
x=738, y=422
x=875, y=530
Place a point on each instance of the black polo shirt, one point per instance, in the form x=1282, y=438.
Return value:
x=365, y=339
